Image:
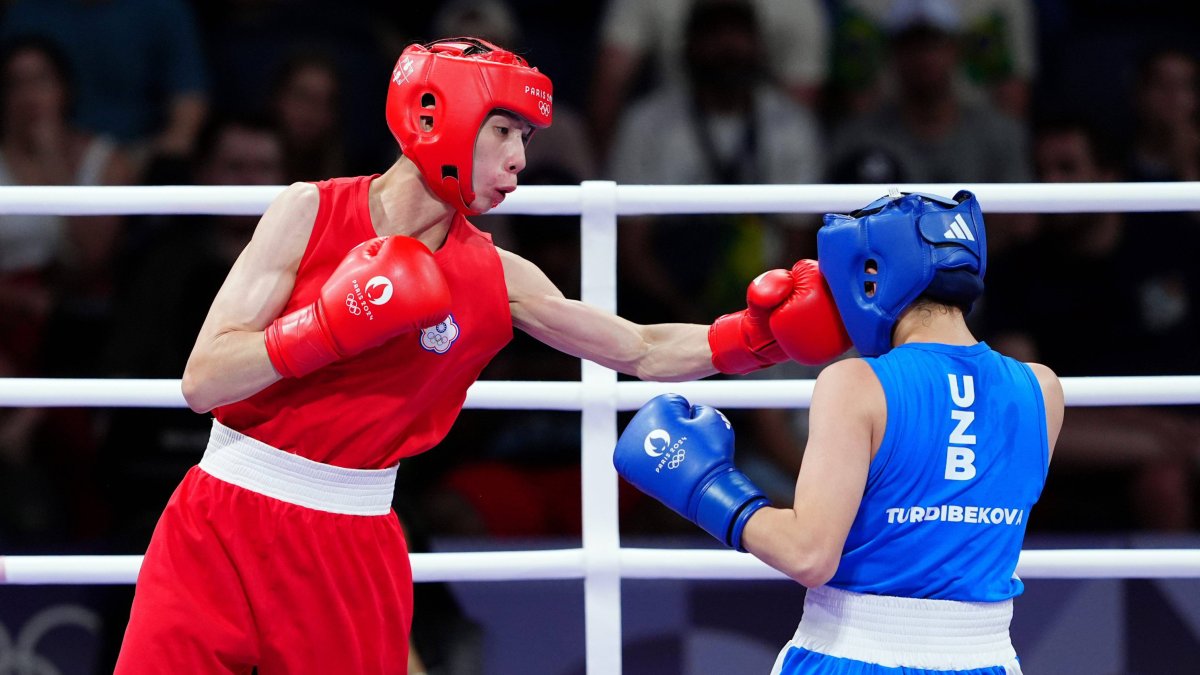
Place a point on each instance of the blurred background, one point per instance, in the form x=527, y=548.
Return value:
x=266, y=92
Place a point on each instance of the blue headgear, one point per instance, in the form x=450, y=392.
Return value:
x=879, y=259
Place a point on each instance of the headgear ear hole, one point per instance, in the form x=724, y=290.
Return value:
x=879, y=262
x=449, y=171
x=482, y=77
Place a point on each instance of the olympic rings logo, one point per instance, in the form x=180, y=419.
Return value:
x=676, y=459
x=544, y=108
x=23, y=653
x=352, y=304
x=440, y=337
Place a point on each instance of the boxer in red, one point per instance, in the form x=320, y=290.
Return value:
x=344, y=340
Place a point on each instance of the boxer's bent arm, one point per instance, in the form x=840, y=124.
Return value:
x=846, y=422
x=667, y=352
x=229, y=361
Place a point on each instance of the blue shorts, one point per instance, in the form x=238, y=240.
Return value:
x=800, y=661
x=844, y=633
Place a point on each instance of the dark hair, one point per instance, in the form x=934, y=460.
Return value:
x=709, y=15
x=928, y=302
x=730, y=71
x=1103, y=147
x=956, y=288
x=868, y=164
x=1150, y=58
x=48, y=48
x=299, y=61
x=217, y=124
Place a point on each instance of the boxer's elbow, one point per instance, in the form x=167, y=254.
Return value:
x=790, y=543
x=806, y=560
x=198, y=391
x=812, y=568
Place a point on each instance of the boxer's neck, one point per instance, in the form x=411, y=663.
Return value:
x=402, y=203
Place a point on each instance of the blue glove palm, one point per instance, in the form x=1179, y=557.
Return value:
x=683, y=456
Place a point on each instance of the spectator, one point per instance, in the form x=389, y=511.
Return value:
x=1074, y=272
x=1166, y=140
x=927, y=126
x=997, y=40
x=138, y=66
x=939, y=135
x=638, y=36
x=727, y=123
x=251, y=42
x=1166, y=147
x=491, y=20
x=52, y=268
x=304, y=103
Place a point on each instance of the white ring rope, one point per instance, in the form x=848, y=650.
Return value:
x=633, y=563
x=631, y=199
x=521, y=395
x=602, y=563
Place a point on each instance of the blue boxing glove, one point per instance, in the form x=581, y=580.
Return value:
x=682, y=455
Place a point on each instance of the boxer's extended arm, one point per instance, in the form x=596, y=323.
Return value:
x=663, y=352
x=789, y=314
x=846, y=422
x=229, y=360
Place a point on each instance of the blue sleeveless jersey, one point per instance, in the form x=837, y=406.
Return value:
x=963, y=459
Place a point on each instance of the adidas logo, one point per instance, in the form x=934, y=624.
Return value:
x=959, y=230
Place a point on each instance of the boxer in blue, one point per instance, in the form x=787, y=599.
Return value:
x=924, y=458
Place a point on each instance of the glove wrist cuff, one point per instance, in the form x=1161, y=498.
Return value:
x=739, y=523
x=297, y=345
x=729, y=352
x=725, y=506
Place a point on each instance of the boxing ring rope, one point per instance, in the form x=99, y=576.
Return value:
x=517, y=395
x=601, y=562
x=629, y=199
x=634, y=563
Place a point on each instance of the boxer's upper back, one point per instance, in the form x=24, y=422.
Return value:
x=963, y=459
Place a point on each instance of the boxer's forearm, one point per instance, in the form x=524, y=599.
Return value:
x=228, y=368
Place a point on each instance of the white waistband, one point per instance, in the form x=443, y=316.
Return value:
x=249, y=463
x=907, y=632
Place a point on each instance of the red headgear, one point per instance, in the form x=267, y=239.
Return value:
x=439, y=97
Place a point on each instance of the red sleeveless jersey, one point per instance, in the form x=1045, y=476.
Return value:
x=398, y=399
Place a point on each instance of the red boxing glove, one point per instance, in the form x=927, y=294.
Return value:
x=807, y=324
x=742, y=342
x=382, y=288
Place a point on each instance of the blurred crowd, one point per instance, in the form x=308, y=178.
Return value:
x=266, y=92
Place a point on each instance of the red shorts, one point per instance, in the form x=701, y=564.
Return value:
x=235, y=579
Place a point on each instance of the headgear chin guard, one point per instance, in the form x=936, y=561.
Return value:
x=879, y=259
x=441, y=93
